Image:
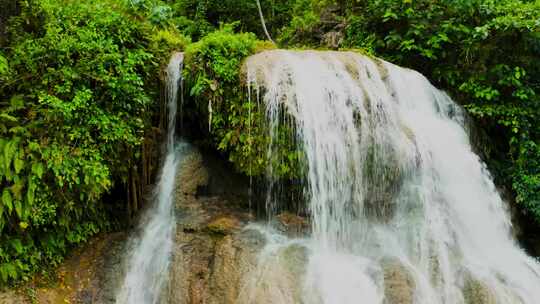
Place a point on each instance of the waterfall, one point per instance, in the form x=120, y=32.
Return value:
x=150, y=253
x=397, y=197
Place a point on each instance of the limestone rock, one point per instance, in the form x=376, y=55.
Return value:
x=476, y=292
x=11, y=297
x=292, y=223
x=333, y=39
x=399, y=285
x=89, y=276
x=223, y=225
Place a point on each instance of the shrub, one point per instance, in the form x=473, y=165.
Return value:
x=78, y=92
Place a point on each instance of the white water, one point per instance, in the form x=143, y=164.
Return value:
x=391, y=175
x=150, y=256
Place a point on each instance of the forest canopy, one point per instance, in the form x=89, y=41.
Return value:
x=79, y=92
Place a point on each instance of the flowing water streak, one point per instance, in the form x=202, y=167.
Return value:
x=149, y=260
x=392, y=183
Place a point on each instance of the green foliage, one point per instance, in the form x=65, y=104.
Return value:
x=4, y=67
x=198, y=18
x=75, y=101
x=213, y=74
x=311, y=20
x=236, y=125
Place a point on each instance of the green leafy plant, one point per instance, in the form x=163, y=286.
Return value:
x=236, y=125
x=79, y=86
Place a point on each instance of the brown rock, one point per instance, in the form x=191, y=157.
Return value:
x=292, y=223
x=476, y=292
x=11, y=297
x=193, y=174
x=223, y=225
x=399, y=285
x=333, y=39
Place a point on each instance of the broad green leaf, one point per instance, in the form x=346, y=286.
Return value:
x=7, y=117
x=30, y=192
x=3, y=273
x=19, y=209
x=7, y=200
x=19, y=164
x=38, y=169
x=17, y=187
x=17, y=245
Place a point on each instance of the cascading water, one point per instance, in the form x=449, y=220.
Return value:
x=394, y=189
x=149, y=259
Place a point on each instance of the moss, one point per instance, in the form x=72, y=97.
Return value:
x=162, y=41
x=218, y=96
x=223, y=225
x=476, y=292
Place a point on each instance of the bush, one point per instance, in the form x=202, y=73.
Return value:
x=79, y=92
x=235, y=126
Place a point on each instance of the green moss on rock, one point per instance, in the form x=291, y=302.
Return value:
x=219, y=97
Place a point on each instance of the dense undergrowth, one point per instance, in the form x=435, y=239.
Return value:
x=79, y=92
x=79, y=84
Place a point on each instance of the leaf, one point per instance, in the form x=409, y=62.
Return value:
x=3, y=273
x=7, y=199
x=17, y=102
x=23, y=225
x=19, y=164
x=8, y=117
x=19, y=209
x=389, y=15
x=37, y=169
x=11, y=270
x=17, y=245
x=30, y=192
x=16, y=188
x=8, y=155
x=33, y=146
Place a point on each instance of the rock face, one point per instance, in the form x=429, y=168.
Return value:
x=90, y=275
x=212, y=253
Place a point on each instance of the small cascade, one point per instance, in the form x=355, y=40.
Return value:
x=402, y=210
x=149, y=259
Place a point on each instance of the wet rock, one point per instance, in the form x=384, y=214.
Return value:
x=278, y=276
x=223, y=225
x=206, y=269
x=476, y=292
x=11, y=297
x=333, y=39
x=293, y=224
x=235, y=257
x=193, y=175
x=93, y=274
x=90, y=275
x=212, y=252
x=399, y=285
x=190, y=268
x=294, y=257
